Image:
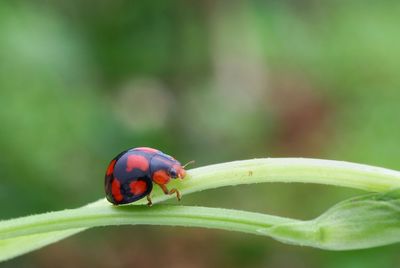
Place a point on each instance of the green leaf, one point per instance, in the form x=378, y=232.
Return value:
x=362, y=222
x=339, y=228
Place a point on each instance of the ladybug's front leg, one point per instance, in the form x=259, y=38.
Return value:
x=149, y=200
x=169, y=192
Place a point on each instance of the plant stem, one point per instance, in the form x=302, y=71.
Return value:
x=219, y=218
x=304, y=170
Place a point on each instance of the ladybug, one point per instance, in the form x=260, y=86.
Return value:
x=131, y=174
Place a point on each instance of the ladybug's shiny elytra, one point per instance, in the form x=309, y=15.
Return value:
x=131, y=174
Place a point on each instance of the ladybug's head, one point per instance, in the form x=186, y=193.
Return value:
x=177, y=171
x=171, y=167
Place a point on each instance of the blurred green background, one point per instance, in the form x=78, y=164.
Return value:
x=212, y=81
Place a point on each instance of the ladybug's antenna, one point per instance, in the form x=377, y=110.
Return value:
x=188, y=163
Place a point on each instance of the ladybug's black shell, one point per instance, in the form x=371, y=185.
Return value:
x=129, y=176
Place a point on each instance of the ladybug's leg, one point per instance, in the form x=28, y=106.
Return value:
x=178, y=194
x=169, y=192
x=149, y=201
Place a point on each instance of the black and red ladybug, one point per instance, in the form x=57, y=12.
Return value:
x=131, y=174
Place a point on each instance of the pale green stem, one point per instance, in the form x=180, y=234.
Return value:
x=218, y=218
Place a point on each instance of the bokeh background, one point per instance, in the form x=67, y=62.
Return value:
x=212, y=81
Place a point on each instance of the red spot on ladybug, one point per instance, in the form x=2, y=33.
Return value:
x=137, y=161
x=110, y=168
x=138, y=187
x=161, y=177
x=131, y=174
x=116, y=190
